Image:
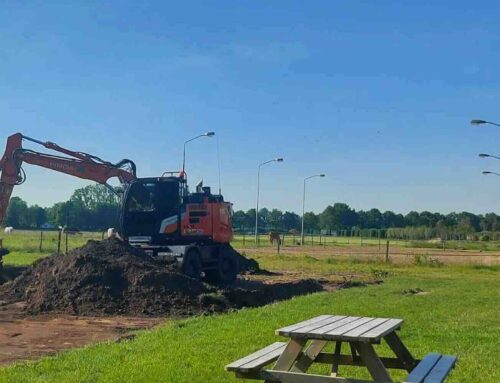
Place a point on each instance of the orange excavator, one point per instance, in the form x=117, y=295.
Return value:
x=158, y=214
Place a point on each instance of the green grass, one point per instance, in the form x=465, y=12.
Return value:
x=457, y=314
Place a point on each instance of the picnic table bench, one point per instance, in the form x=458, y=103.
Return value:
x=309, y=338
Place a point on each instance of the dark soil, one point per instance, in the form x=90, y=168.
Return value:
x=112, y=278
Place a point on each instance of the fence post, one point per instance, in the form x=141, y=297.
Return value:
x=387, y=252
x=41, y=241
x=1, y=243
x=283, y=241
x=244, y=239
x=59, y=242
x=66, y=242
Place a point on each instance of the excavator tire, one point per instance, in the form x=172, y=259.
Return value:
x=227, y=268
x=191, y=264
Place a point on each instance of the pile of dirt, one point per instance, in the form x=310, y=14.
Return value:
x=106, y=277
x=111, y=277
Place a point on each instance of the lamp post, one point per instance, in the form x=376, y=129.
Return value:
x=484, y=155
x=279, y=159
x=481, y=122
x=208, y=134
x=488, y=172
x=304, y=205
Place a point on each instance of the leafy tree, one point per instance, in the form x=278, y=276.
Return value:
x=92, y=195
x=17, y=214
x=337, y=217
x=311, y=222
x=275, y=219
x=290, y=221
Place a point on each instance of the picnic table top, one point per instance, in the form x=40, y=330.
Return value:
x=342, y=328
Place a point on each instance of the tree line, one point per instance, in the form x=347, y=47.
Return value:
x=341, y=219
x=95, y=207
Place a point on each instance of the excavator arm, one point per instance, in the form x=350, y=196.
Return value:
x=77, y=164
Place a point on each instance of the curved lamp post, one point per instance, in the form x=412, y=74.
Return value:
x=304, y=205
x=279, y=159
x=208, y=134
x=481, y=122
x=484, y=155
x=488, y=172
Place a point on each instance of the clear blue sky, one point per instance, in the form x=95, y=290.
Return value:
x=376, y=94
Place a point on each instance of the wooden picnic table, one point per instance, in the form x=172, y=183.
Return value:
x=309, y=338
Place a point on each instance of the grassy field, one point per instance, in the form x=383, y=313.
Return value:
x=456, y=313
x=292, y=240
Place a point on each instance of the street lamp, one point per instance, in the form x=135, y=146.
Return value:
x=208, y=134
x=488, y=172
x=484, y=155
x=481, y=122
x=279, y=159
x=304, y=205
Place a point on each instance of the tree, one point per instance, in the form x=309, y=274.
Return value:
x=412, y=218
x=37, y=216
x=92, y=195
x=17, y=214
x=240, y=220
x=275, y=219
x=338, y=217
x=290, y=221
x=371, y=219
x=311, y=222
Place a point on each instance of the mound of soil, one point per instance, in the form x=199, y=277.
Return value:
x=111, y=277
x=106, y=277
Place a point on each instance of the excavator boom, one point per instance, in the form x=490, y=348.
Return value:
x=78, y=164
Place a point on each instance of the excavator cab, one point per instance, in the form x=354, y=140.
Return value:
x=147, y=203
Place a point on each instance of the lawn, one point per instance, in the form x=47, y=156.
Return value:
x=456, y=314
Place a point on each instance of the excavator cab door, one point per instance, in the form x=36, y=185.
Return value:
x=147, y=204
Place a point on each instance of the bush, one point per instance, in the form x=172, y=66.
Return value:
x=484, y=238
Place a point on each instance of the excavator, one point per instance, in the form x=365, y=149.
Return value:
x=158, y=214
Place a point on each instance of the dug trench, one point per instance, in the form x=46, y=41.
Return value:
x=106, y=289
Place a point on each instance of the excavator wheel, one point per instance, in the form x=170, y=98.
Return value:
x=191, y=265
x=227, y=268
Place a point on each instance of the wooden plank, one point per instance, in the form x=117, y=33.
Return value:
x=266, y=350
x=336, y=333
x=323, y=330
x=284, y=331
x=423, y=368
x=441, y=370
x=296, y=377
x=336, y=358
x=381, y=330
x=348, y=360
x=290, y=354
x=354, y=333
x=400, y=351
x=309, y=356
x=313, y=326
x=372, y=362
x=263, y=360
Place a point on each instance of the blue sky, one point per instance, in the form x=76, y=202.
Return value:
x=376, y=94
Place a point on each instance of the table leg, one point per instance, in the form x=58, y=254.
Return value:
x=305, y=361
x=290, y=354
x=372, y=362
x=336, y=358
x=401, y=351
